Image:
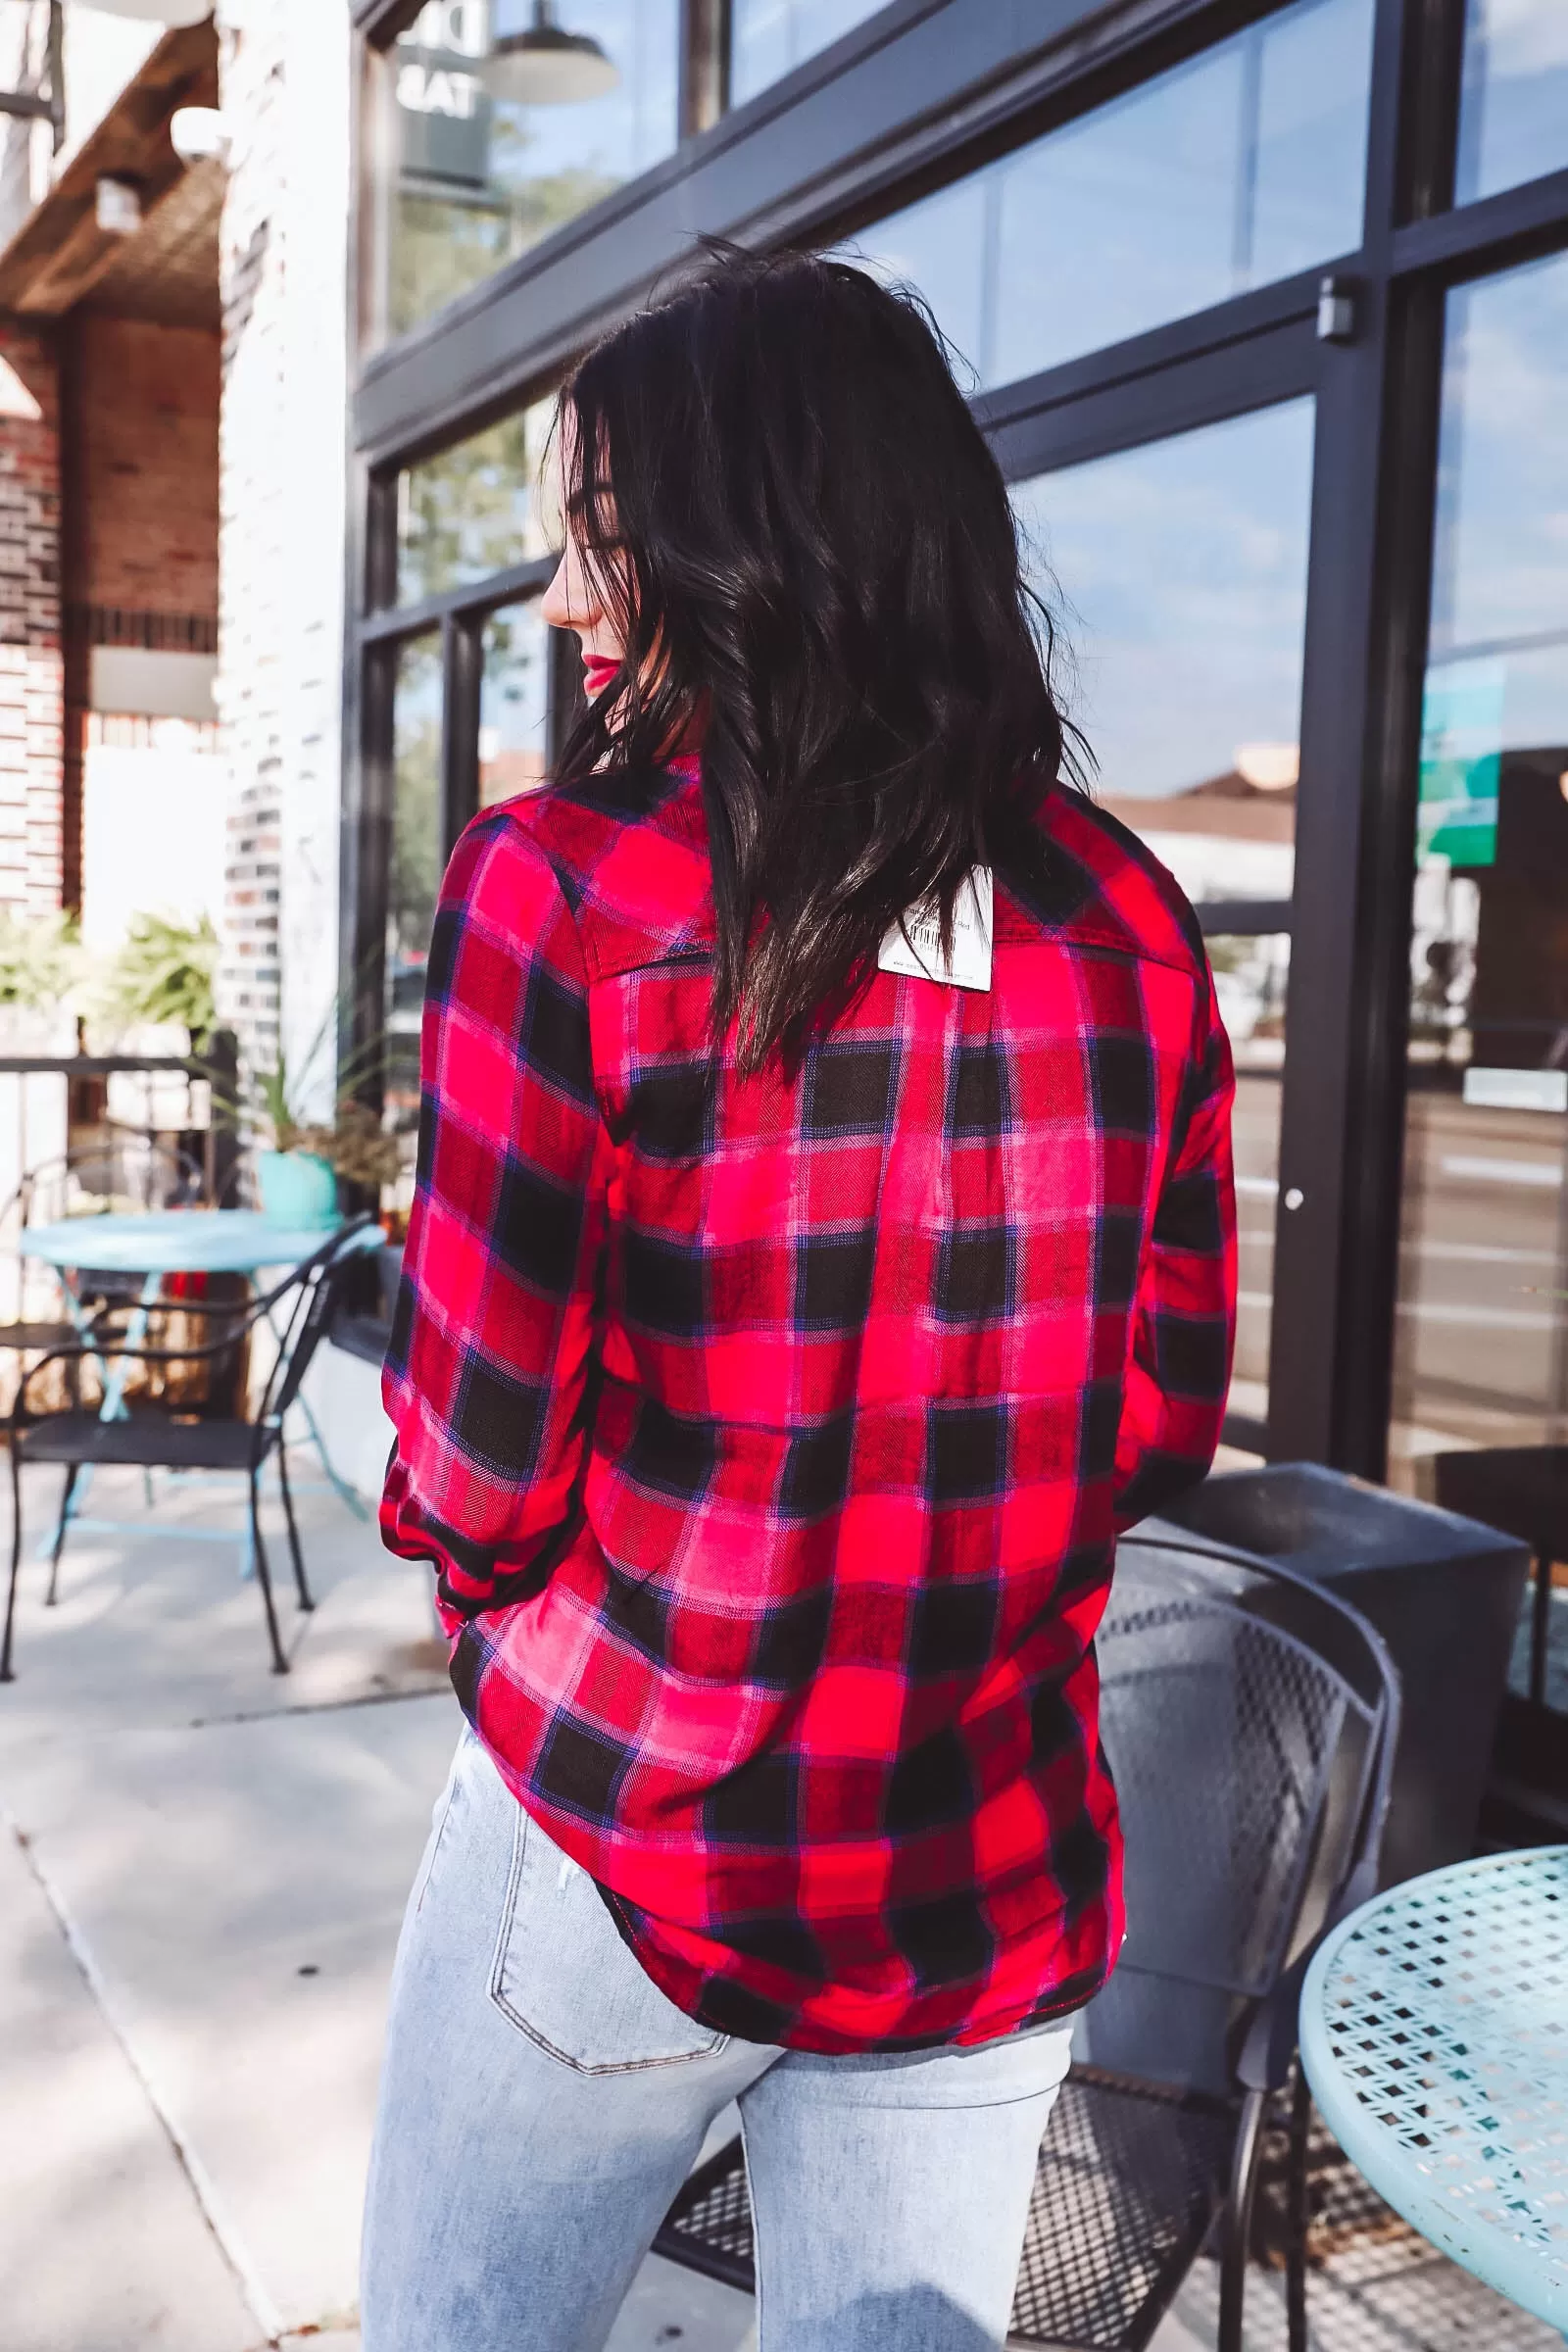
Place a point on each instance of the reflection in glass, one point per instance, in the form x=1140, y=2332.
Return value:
x=1180, y=572
x=1482, y=1340
x=1245, y=166
x=415, y=859
x=513, y=703
x=1513, y=107
x=1251, y=978
x=767, y=37
x=476, y=507
x=480, y=176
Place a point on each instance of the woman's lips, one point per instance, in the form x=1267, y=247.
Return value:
x=597, y=673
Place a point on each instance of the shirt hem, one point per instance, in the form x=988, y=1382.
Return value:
x=835, y=2041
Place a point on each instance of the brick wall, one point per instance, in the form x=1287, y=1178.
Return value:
x=283, y=510
x=146, y=420
x=30, y=688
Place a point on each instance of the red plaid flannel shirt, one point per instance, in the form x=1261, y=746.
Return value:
x=770, y=1438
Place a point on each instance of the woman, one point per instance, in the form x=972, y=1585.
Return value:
x=823, y=1244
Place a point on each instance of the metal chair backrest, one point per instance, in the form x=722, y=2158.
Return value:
x=122, y=1169
x=312, y=1293
x=1249, y=1718
x=125, y=1169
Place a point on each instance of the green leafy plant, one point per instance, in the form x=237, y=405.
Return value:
x=352, y=1140
x=41, y=960
x=356, y=1144
x=164, y=972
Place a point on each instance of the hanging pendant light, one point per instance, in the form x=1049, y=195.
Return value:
x=200, y=135
x=171, y=13
x=546, y=65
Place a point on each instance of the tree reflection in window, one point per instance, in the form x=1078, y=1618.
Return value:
x=481, y=179
x=478, y=508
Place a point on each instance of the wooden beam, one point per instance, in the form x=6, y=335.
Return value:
x=60, y=252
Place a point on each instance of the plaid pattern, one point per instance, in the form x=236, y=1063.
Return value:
x=770, y=1439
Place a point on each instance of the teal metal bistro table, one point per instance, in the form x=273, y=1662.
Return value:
x=178, y=1241
x=1435, y=2037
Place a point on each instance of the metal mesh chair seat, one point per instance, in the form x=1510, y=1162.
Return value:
x=145, y=1441
x=709, y=2227
x=1131, y=2177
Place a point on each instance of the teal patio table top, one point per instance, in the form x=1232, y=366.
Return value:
x=1435, y=2037
x=176, y=1241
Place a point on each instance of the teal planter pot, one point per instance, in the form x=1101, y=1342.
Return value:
x=298, y=1188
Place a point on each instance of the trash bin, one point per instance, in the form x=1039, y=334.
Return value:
x=1444, y=1592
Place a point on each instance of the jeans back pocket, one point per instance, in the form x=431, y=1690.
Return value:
x=563, y=1975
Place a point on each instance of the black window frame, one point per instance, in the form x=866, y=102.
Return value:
x=914, y=98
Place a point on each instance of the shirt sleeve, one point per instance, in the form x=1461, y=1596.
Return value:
x=1185, y=1314
x=488, y=1374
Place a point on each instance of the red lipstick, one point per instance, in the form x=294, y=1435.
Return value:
x=597, y=673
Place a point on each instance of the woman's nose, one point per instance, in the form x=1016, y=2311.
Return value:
x=554, y=606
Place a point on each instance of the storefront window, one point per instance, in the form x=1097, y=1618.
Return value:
x=767, y=37
x=1482, y=1345
x=476, y=509
x=414, y=866
x=1513, y=112
x=1243, y=167
x=500, y=136
x=513, y=703
x=1182, y=598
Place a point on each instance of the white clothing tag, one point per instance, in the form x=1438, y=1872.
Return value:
x=914, y=947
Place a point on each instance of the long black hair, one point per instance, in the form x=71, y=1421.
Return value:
x=786, y=504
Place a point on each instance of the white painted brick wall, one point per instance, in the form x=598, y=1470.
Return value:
x=285, y=69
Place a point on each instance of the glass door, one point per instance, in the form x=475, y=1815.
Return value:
x=1481, y=1350
x=1177, y=570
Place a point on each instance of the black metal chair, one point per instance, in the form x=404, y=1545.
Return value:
x=122, y=1169
x=160, y=1434
x=1251, y=1720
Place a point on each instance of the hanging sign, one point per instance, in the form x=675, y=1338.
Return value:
x=1461, y=763
x=443, y=106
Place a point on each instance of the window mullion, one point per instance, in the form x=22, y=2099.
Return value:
x=461, y=666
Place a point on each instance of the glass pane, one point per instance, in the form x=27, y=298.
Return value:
x=1513, y=107
x=513, y=703
x=414, y=867
x=491, y=156
x=1245, y=166
x=474, y=508
x=768, y=37
x=1482, y=1338
x=1179, y=571
x=1251, y=977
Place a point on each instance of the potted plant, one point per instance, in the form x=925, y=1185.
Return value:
x=163, y=974
x=298, y=1174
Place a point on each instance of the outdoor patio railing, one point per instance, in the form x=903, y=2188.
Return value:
x=34, y=1131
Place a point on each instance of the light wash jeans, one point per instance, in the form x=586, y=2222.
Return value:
x=542, y=2102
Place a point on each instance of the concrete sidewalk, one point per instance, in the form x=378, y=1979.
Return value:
x=202, y=1869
